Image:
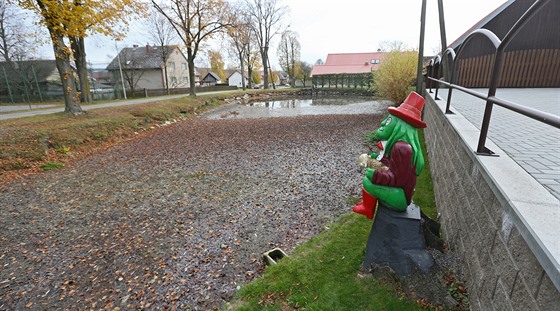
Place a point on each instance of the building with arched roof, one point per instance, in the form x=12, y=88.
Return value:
x=532, y=59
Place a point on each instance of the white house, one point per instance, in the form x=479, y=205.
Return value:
x=144, y=68
x=235, y=79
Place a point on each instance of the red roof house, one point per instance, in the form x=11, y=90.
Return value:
x=350, y=63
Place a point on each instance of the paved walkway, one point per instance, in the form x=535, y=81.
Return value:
x=23, y=107
x=535, y=146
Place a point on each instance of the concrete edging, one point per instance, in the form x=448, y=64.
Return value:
x=517, y=202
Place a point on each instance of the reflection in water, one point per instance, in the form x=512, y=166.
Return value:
x=301, y=106
x=288, y=103
x=308, y=102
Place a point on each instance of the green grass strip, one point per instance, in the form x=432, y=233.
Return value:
x=323, y=274
x=424, y=192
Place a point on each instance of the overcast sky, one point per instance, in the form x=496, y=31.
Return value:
x=342, y=26
x=335, y=26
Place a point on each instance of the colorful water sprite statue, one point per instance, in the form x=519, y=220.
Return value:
x=394, y=185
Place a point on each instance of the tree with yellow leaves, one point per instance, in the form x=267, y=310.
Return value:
x=69, y=23
x=217, y=64
x=396, y=75
x=195, y=21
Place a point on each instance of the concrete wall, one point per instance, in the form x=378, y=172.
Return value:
x=150, y=79
x=501, y=221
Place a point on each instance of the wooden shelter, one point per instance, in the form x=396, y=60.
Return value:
x=346, y=69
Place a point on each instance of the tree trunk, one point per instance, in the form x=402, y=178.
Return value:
x=264, y=56
x=166, y=79
x=242, y=70
x=293, y=73
x=79, y=50
x=271, y=74
x=164, y=58
x=62, y=56
x=192, y=82
x=250, y=75
x=249, y=69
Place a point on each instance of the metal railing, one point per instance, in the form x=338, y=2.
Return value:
x=491, y=99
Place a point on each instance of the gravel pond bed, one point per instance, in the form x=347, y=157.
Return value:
x=179, y=217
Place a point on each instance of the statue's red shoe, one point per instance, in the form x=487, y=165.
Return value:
x=366, y=207
x=361, y=209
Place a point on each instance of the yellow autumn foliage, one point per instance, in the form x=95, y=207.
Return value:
x=80, y=18
x=396, y=75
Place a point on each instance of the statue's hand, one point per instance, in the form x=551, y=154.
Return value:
x=369, y=173
x=363, y=160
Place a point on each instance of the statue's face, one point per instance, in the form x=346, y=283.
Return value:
x=387, y=127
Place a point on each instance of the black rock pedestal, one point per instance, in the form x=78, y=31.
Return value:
x=396, y=240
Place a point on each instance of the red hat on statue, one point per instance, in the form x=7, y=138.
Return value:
x=410, y=110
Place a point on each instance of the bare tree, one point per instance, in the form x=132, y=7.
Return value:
x=240, y=39
x=266, y=21
x=15, y=40
x=195, y=21
x=132, y=68
x=289, y=51
x=252, y=60
x=390, y=46
x=163, y=34
x=253, y=64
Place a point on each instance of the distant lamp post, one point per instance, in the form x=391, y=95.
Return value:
x=120, y=69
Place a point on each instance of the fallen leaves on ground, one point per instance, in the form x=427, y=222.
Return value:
x=176, y=219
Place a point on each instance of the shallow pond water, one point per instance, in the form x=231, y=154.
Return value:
x=299, y=106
